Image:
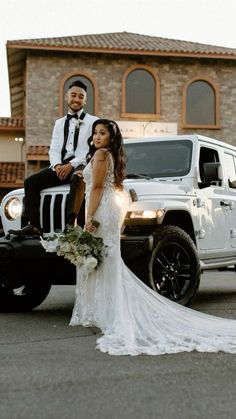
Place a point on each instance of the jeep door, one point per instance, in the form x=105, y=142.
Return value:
x=214, y=226
x=230, y=174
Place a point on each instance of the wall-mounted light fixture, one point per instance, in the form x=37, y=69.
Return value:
x=21, y=141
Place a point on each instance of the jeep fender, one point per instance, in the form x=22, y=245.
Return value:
x=175, y=212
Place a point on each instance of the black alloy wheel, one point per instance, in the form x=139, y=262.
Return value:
x=174, y=269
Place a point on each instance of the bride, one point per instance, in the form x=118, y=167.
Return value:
x=133, y=318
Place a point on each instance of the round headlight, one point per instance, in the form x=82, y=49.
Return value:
x=13, y=208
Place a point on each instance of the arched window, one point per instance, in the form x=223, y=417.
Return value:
x=90, y=106
x=140, y=92
x=201, y=107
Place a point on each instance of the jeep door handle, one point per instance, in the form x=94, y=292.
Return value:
x=226, y=203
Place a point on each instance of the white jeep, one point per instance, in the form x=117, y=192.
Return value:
x=181, y=221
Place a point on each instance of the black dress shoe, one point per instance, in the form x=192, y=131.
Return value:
x=29, y=230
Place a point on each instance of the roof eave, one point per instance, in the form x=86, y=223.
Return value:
x=184, y=54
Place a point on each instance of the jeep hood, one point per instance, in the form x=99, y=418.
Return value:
x=158, y=187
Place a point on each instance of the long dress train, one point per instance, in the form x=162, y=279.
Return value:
x=133, y=318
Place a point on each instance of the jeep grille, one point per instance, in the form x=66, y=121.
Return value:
x=53, y=212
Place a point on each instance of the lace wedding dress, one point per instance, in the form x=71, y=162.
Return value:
x=133, y=318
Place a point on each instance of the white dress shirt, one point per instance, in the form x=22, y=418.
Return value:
x=82, y=146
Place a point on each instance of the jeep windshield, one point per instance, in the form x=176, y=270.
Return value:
x=158, y=159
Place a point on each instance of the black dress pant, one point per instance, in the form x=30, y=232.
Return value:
x=47, y=178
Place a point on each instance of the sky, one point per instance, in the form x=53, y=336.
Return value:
x=209, y=22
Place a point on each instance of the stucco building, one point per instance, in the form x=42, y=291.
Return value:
x=150, y=85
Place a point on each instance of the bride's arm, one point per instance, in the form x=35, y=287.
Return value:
x=100, y=167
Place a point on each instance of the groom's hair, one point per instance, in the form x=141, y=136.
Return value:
x=78, y=83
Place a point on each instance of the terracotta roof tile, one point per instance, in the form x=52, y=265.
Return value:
x=39, y=150
x=12, y=173
x=13, y=123
x=124, y=41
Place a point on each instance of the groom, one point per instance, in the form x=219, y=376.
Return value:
x=67, y=154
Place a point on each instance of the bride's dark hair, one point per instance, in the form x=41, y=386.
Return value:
x=115, y=147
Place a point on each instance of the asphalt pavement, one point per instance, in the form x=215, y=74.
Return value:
x=50, y=370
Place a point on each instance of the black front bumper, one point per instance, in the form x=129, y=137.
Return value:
x=133, y=247
x=26, y=260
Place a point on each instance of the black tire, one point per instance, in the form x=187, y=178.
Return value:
x=21, y=296
x=174, y=268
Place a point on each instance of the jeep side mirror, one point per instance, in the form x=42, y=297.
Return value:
x=212, y=172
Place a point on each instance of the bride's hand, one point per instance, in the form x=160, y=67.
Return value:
x=90, y=227
x=79, y=173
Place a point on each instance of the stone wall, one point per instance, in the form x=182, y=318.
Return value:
x=45, y=72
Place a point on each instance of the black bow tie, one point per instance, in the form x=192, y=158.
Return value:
x=70, y=116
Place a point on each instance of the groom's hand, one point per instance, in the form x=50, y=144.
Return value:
x=64, y=170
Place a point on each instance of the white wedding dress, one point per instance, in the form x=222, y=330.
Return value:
x=133, y=318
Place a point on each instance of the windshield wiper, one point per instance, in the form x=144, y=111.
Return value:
x=137, y=176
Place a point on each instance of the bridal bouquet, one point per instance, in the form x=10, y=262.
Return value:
x=78, y=246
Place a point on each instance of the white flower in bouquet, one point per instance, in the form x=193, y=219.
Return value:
x=90, y=263
x=84, y=248
x=68, y=255
x=79, y=260
x=73, y=247
x=65, y=247
x=50, y=245
x=76, y=259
